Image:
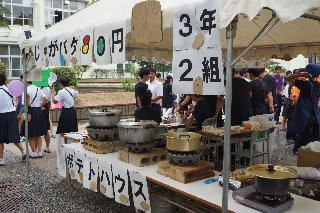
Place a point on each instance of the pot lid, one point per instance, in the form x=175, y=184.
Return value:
x=105, y=112
x=272, y=171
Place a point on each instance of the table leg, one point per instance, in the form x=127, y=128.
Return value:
x=69, y=183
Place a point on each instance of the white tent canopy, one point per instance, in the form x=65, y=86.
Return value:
x=294, y=35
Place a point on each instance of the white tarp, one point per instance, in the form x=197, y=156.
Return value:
x=299, y=35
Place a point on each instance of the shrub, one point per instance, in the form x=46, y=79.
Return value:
x=127, y=85
x=79, y=70
x=64, y=72
x=4, y=70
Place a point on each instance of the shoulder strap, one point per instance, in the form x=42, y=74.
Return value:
x=34, y=97
x=9, y=96
x=69, y=93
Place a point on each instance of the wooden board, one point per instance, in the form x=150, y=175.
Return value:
x=187, y=173
x=142, y=159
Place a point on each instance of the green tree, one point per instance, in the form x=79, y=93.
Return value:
x=4, y=23
x=273, y=65
x=134, y=69
x=64, y=72
x=127, y=85
x=3, y=69
x=79, y=70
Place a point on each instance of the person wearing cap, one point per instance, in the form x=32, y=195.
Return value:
x=279, y=85
x=306, y=116
x=167, y=102
x=156, y=89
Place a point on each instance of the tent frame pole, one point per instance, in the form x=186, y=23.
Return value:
x=26, y=116
x=263, y=31
x=230, y=35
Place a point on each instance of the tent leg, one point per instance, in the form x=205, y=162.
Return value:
x=231, y=33
x=263, y=31
x=26, y=117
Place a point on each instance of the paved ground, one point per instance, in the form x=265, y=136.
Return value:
x=50, y=189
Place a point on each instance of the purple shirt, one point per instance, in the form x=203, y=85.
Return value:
x=279, y=82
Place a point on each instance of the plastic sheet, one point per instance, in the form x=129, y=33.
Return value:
x=313, y=146
x=306, y=173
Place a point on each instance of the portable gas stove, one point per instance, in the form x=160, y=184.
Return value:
x=139, y=147
x=103, y=133
x=183, y=158
x=250, y=197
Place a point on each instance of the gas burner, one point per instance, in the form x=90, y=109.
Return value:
x=103, y=133
x=250, y=197
x=101, y=127
x=183, y=158
x=140, y=147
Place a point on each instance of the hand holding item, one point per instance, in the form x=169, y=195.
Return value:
x=306, y=75
x=52, y=91
x=271, y=109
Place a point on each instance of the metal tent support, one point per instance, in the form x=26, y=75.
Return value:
x=26, y=116
x=231, y=33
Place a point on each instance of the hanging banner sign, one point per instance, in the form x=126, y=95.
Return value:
x=53, y=51
x=197, y=62
x=105, y=174
x=140, y=191
x=63, y=46
x=38, y=50
x=90, y=173
x=118, y=41
x=102, y=44
x=120, y=183
x=184, y=19
x=86, y=45
x=74, y=47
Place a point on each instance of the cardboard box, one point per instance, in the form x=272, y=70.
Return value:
x=308, y=158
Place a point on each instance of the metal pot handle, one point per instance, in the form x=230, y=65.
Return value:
x=104, y=110
x=111, y=114
x=148, y=126
x=184, y=136
x=270, y=168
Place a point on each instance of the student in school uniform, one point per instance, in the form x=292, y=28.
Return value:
x=68, y=118
x=36, y=126
x=9, y=132
x=46, y=114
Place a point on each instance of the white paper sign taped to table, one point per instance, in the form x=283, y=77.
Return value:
x=90, y=173
x=86, y=45
x=105, y=174
x=118, y=41
x=140, y=191
x=101, y=45
x=120, y=183
x=70, y=161
x=61, y=158
x=184, y=25
x=80, y=157
x=208, y=22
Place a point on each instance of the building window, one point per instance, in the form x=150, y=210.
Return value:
x=56, y=10
x=10, y=56
x=20, y=14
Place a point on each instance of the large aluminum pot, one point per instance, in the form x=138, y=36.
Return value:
x=272, y=180
x=104, y=118
x=137, y=132
x=183, y=141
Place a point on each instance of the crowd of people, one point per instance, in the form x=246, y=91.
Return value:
x=12, y=119
x=254, y=92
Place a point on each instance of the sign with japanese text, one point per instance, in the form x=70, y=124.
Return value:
x=197, y=54
x=140, y=191
x=118, y=41
x=70, y=158
x=105, y=174
x=90, y=173
x=63, y=47
x=53, y=51
x=120, y=183
x=79, y=164
x=74, y=47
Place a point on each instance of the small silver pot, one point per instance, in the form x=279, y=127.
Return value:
x=104, y=118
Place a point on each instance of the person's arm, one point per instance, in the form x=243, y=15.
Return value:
x=139, y=102
x=159, y=93
x=292, y=78
x=250, y=94
x=190, y=122
x=44, y=102
x=185, y=101
x=269, y=96
x=218, y=106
